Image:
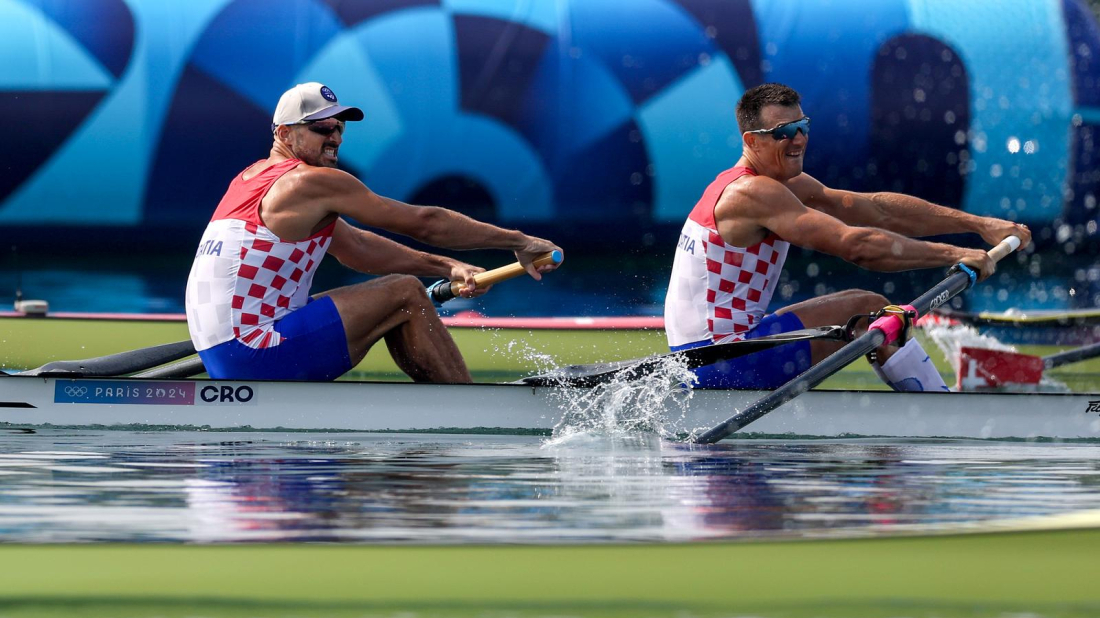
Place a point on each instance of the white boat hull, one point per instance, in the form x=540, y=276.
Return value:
x=379, y=406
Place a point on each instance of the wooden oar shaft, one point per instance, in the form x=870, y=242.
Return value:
x=504, y=273
x=955, y=283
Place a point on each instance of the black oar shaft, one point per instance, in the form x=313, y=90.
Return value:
x=942, y=292
x=1071, y=356
x=121, y=363
x=812, y=377
x=954, y=284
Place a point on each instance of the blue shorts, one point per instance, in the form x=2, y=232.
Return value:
x=314, y=347
x=765, y=369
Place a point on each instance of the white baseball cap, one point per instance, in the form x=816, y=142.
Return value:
x=311, y=101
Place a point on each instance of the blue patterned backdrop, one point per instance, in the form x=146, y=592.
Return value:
x=567, y=114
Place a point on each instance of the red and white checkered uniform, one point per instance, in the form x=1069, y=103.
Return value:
x=244, y=277
x=719, y=292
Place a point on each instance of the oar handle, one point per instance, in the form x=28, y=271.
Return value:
x=504, y=273
x=968, y=275
x=1005, y=247
x=892, y=324
x=443, y=291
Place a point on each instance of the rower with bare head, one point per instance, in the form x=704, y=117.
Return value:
x=733, y=244
x=249, y=307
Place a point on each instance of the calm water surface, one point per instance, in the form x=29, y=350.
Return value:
x=65, y=486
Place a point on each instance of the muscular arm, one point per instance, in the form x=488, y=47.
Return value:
x=324, y=191
x=903, y=214
x=441, y=227
x=372, y=254
x=340, y=192
x=770, y=205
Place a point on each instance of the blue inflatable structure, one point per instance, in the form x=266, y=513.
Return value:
x=567, y=114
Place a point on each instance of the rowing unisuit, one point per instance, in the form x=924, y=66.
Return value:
x=719, y=292
x=245, y=280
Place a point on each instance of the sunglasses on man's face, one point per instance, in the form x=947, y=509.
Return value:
x=787, y=130
x=326, y=129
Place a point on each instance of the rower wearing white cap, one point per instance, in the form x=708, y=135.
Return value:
x=733, y=245
x=249, y=308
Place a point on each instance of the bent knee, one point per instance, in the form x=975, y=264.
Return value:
x=865, y=301
x=405, y=289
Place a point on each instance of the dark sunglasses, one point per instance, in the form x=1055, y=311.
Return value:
x=326, y=130
x=787, y=130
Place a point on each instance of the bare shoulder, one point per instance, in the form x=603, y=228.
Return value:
x=746, y=207
x=809, y=190
x=308, y=181
x=307, y=198
x=751, y=197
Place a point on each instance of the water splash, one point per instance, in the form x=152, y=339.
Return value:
x=950, y=338
x=651, y=404
x=618, y=409
x=522, y=353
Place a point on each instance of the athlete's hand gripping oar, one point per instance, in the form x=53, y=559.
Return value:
x=885, y=329
x=600, y=373
x=443, y=291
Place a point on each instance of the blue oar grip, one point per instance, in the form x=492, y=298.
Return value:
x=557, y=257
x=440, y=292
x=970, y=272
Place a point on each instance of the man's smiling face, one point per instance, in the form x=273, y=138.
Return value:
x=785, y=156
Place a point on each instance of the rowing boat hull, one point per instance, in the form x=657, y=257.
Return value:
x=387, y=406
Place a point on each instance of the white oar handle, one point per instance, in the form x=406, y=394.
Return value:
x=1005, y=247
x=893, y=323
x=504, y=273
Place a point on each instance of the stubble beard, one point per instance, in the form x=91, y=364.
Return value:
x=315, y=158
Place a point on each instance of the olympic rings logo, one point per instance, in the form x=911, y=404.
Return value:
x=76, y=391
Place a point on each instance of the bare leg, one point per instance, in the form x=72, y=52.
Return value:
x=397, y=309
x=837, y=308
